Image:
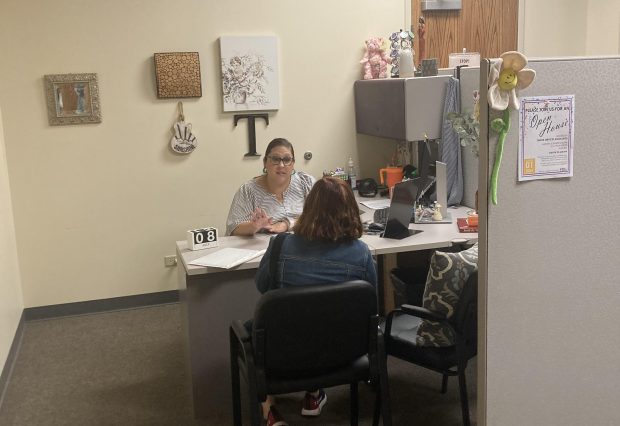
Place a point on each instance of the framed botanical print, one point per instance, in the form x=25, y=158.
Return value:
x=249, y=73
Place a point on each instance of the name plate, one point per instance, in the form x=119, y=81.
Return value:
x=198, y=239
x=466, y=59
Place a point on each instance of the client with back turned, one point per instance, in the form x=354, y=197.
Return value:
x=324, y=248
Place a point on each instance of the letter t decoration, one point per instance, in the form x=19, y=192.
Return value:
x=251, y=130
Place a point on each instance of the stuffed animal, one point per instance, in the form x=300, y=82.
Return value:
x=375, y=59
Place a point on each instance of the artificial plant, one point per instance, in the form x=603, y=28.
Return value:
x=507, y=75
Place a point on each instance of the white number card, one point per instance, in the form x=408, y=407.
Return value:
x=198, y=239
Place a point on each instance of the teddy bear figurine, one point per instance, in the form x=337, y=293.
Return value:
x=375, y=59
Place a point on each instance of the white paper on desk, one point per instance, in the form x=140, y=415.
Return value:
x=382, y=203
x=227, y=257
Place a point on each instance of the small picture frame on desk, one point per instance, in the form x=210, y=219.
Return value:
x=72, y=99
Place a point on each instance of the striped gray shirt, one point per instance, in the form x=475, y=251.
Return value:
x=251, y=195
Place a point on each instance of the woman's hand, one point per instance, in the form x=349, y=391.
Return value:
x=260, y=220
x=278, y=227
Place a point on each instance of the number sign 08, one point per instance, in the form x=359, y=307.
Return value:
x=202, y=238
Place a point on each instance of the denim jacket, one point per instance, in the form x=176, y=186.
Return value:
x=304, y=262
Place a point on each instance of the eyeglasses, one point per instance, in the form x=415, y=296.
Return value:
x=275, y=160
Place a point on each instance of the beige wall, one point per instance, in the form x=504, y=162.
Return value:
x=603, y=32
x=551, y=28
x=98, y=206
x=11, y=304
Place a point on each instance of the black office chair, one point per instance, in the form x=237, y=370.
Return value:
x=400, y=339
x=310, y=337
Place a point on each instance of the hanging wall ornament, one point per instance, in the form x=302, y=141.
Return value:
x=183, y=140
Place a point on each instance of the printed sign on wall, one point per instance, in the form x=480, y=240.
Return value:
x=546, y=137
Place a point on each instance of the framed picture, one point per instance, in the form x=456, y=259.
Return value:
x=178, y=75
x=250, y=73
x=72, y=99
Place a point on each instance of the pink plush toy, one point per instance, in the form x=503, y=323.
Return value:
x=375, y=59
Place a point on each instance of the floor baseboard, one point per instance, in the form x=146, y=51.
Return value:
x=5, y=376
x=101, y=305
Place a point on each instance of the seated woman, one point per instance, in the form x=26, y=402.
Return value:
x=325, y=248
x=272, y=201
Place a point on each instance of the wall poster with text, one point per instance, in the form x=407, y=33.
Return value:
x=546, y=137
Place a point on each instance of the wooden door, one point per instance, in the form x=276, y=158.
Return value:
x=485, y=26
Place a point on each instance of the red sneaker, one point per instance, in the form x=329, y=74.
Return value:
x=312, y=405
x=274, y=418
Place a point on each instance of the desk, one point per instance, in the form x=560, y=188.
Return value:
x=212, y=298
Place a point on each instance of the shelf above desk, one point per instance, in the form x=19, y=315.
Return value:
x=400, y=108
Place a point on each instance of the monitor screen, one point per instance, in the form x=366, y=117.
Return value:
x=401, y=207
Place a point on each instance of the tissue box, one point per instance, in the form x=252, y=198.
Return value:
x=198, y=239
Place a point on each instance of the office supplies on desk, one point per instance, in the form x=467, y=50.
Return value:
x=381, y=203
x=461, y=222
x=367, y=187
x=380, y=215
x=390, y=176
x=376, y=226
x=227, y=258
x=421, y=215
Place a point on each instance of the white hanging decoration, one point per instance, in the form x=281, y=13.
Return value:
x=183, y=140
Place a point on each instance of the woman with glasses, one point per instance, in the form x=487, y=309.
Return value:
x=270, y=202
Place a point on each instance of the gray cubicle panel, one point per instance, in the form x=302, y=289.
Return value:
x=406, y=109
x=400, y=108
x=550, y=269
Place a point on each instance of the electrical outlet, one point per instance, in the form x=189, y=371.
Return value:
x=170, y=260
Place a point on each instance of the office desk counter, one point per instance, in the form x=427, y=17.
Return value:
x=433, y=236
x=211, y=298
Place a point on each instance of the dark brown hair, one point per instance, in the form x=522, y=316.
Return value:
x=330, y=213
x=278, y=142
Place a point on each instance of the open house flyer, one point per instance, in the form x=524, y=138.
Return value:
x=546, y=137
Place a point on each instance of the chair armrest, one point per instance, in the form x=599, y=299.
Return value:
x=243, y=339
x=240, y=331
x=420, y=312
x=416, y=311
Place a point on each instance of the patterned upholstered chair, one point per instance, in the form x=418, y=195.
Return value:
x=440, y=335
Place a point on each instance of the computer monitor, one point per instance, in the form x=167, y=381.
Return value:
x=401, y=207
x=428, y=153
x=441, y=195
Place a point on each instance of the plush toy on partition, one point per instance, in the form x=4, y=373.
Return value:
x=506, y=75
x=375, y=60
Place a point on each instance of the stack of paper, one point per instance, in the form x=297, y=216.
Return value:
x=227, y=258
x=381, y=203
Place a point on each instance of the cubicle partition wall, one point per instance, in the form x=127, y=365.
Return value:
x=408, y=109
x=549, y=266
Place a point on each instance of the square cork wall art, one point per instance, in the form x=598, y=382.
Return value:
x=178, y=75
